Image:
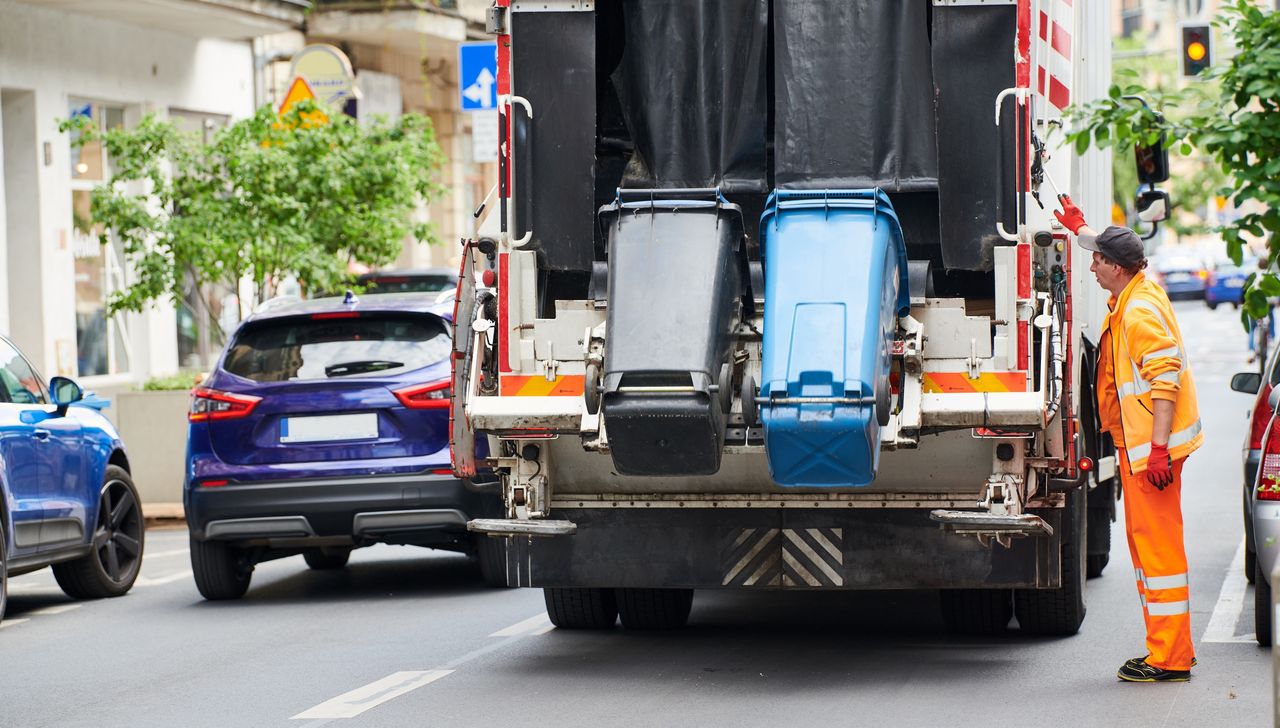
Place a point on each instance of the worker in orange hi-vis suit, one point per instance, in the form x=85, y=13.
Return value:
x=1147, y=401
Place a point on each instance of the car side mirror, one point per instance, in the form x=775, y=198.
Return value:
x=1153, y=205
x=1152, y=161
x=1274, y=400
x=1246, y=382
x=64, y=391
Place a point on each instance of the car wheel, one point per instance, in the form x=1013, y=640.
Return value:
x=1211, y=304
x=4, y=575
x=1250, y=564
x=113, y=563
x=326, y=558
x=220, y=570
x=1261, y=607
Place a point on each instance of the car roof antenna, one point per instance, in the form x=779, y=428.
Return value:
x=350, y=299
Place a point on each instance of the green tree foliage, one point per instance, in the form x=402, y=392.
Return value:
x=1235, y=123
x=270, y=196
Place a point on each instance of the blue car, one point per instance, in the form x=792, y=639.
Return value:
x=1181, y=276
x=325, y=427
x=1226, y=282
x=66, y=498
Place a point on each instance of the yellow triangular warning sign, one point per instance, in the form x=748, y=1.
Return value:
x=298, y=91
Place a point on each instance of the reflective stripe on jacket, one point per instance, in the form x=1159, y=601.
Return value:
x=1148, y=362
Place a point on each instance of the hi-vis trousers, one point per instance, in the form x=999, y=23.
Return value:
x=1153, y=523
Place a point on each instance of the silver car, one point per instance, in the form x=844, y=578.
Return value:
x=1264, y=513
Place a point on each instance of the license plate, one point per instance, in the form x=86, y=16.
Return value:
x=1235, y=284
x=329, y=428
x=1178, y=277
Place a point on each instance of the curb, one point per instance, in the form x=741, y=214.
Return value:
x=163, y=514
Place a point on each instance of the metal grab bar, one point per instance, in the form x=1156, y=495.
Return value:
x=521, y=243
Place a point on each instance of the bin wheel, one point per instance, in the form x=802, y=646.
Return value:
x=591, y=388
x=724, y=388
x=883, y=406
x=750, y=413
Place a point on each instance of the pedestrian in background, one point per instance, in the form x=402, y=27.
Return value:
x=1147, y=401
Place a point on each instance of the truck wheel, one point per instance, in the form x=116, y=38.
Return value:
x=113, y=564
x=323, y=559
x=1098, y=530
x=977, y=611
x=573, y=608
x=218, y=570
x=1261, y=607
x=1059, y=611
x=491, y=552
x=654, y=608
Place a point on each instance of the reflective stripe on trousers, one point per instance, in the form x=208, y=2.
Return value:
x=1153, y=525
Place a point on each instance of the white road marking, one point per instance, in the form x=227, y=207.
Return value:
x=351, y=704
x=535, y=622
x=544, y=630
x=55, y=609
x=1222, y=625
x=158, y=580
x=162, y=554
x=12, y=622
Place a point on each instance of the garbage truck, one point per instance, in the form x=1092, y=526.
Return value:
x=770, y=296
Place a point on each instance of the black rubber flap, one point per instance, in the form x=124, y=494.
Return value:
x=676, y=275
x=973, y=62
x=693, y=90
x=853, y=92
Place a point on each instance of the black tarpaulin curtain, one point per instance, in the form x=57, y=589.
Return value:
x=853, y=87
x=692, y=83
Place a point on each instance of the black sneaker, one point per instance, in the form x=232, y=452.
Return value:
x=1140, y=671
x=1136, y=660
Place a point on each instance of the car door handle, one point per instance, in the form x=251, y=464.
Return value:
x=42, y=434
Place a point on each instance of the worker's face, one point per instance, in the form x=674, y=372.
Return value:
x=1108, y=274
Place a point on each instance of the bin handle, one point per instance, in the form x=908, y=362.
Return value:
x=521, y=243
x=1000, y=98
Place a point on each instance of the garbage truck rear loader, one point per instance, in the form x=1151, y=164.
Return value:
x=772, y=298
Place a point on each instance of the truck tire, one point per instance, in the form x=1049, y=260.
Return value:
x=654, y=608
x=218, y=570
x=977, y=611
x=575, y=608
x=491, y=553
x=1098, y=529
x=1059, y=612
x=324, y=559
x=1261, y=607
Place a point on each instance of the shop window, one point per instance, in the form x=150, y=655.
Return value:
x=102, y=341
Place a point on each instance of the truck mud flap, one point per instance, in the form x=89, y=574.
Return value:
x=884, y=548
x=835, y=284
x=678, y=282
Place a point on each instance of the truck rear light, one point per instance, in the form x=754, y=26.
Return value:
x=1085, y=464
x=1261, y=416
x=210, y=404
x=432, y=395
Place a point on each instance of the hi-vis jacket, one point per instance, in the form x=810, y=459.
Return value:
x=1142, y=358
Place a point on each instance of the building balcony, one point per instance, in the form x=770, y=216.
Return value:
x=229, y=19
x=409, y=26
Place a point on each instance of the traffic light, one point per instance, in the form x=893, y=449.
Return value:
x=1197, y=49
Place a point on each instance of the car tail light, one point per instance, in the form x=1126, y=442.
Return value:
x=442, y=471
x=432, y=395
x=1261, y=416
x=210, y=404
x=1269, y=471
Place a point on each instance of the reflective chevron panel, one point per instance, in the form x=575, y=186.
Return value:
x=784, y=557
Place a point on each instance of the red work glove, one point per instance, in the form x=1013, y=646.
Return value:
x=1159, y=467
x=1070, y=217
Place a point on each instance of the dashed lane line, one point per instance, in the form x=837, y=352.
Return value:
x=355, y=702
x=536, y=622
x=1226, y=613
x=399, y=683
x=12, y=623
x=55, y=609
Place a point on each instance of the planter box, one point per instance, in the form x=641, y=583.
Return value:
x=153, y=426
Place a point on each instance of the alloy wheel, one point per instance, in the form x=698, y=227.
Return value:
x=117, y=538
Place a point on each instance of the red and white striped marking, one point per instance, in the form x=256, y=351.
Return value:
x=1055, y=27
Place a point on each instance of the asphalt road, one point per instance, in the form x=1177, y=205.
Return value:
x=412, y=638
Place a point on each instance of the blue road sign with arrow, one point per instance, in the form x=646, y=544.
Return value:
x=478, y=76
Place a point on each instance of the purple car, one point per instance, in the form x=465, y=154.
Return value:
x=323, y=428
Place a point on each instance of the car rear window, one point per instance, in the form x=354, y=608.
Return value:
x=330, y=348
x=409, y=284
